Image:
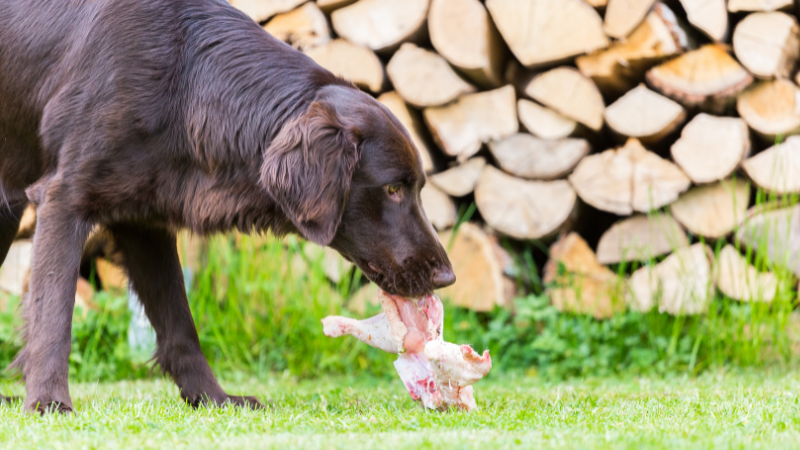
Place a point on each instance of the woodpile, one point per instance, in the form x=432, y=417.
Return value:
x=619, y=132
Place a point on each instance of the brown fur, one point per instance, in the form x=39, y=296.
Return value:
x=146, y=116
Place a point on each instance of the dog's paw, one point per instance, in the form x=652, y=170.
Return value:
x=50, y=407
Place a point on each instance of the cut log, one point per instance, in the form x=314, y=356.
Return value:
x=424, y=78
x=768, y=44
x=438, y=206
x=758, y=5
x=527, y=156
x=382, y=25
x=303, y=28
x=27, y=224
x=579, y=283
x=464, y=34
x=543, y=122
x=523, y=209
x=777, y=168
x=261, y=10
x=771, y=108
x=328, y=6
x=545, y=32
x=713, y=211
x=645, y=115
x=679, y=285
x=711, y=148
x=707, y=78
x=112, y=277
x=16, y=266
x=353, y=62
x=478, y=263
x=623, y=16
x=365, y=296
x=412, y=122
x=568, y=92
x=598, y=4
x=641, y=238
x=774, y=233
x=708, y=16
x=461, y=127
x=739, y=280
x=460, y=180
x=622, y=66
x=628, y=179
x=336, y=268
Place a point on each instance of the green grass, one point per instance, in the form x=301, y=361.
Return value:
x=717, y=410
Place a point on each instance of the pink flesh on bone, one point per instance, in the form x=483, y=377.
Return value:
x=436, y=373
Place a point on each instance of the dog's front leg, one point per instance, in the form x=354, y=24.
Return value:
x=48, y=307
x=151, y=257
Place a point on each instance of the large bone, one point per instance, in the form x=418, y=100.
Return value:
x=436, y=373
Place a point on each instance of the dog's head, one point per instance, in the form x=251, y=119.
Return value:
x=347, y=175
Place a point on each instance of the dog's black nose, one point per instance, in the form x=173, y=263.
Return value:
x=443, y=277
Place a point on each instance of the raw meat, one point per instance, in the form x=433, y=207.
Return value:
x=436, y=373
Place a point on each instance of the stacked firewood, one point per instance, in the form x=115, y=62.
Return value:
x=617, y=132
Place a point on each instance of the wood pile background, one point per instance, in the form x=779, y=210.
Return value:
x=626, y=136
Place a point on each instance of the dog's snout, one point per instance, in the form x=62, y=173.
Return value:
x=443, y=277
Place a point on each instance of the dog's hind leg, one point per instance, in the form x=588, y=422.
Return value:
x=151, y=257
x=48, y=307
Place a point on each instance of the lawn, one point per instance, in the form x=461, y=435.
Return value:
x=721, y=410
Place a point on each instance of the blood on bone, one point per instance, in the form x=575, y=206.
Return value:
x=436, y=373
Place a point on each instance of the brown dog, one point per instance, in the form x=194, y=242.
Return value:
x=146, y=116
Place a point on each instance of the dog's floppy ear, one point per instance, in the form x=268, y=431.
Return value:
x=308, y=167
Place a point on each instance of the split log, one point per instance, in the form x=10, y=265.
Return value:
x=382, y=25
x=353, y=62
x=544, y=32
x=707, y=78
x=776, y=169
x=645, y=115
x=364, y=296
x=679, y=285
x=424, y=78
x=438, y=207
x=711, y=148
x=112, y=277
x=523, y=209
x=598, y=4
x=628, y=179
x=774, y=233
x=461, y=127
x=768, y=44
x=302, y=28
x=758, y=5
x=464, y=34
x=543, y=122
x=27, y=224
x=708, y=16
x=527, y=156
x=771, y=108
x=335, y=267
x=461, y=179
x=478, y=262
x=623, y=16
x=622, y=66
x=579, y=283
x=16, y=266
x=714, y=210
x=329, y=6
x=568, y=92
x=739, y=280
x=413, y=124
x=261, y=10
x=641, y=238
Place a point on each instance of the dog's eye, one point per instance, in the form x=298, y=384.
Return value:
x=394, y=189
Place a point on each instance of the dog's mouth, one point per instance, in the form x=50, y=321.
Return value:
x=396, y=281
